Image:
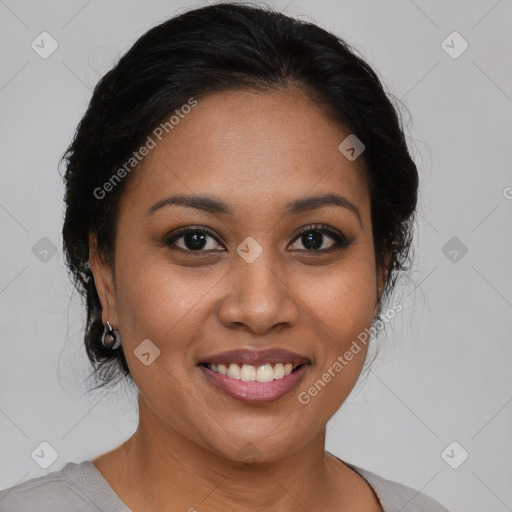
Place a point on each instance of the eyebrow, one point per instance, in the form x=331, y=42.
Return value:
x=216, y=206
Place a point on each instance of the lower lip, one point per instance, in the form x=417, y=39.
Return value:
x=255, y=392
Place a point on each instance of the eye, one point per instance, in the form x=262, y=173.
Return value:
x=195, y=239
x=313, y=237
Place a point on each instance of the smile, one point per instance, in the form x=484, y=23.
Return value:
x=250, y=373
x=256, y=377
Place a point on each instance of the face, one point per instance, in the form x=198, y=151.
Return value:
x=244, y=278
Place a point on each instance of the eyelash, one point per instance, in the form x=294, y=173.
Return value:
x=340, y=241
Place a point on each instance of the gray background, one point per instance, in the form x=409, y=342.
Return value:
x=443, y=372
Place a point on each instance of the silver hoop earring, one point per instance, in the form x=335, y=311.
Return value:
x=110, y=337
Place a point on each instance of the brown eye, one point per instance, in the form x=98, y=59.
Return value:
x=313, y=238
x=193, y=239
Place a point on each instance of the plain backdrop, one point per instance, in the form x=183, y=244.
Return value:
x=443, y=372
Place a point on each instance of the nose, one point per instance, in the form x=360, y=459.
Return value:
x=259, y=297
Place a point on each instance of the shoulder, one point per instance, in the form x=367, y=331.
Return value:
x=396, y=497
x=58, y=491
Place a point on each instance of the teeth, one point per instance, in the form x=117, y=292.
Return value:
x=265, y=373
x=249, y=373
x=234, y=371
x=279, y=371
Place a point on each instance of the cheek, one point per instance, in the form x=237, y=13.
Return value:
x=341, y=310
x=155, y=302
x=356, y=303
x=168, y=303
x=160, y=301
x=344, y=300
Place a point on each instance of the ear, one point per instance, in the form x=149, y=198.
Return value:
x=104, y=282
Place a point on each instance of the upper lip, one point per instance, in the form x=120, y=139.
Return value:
x=256, y=357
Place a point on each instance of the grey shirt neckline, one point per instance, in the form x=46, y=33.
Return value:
x=392, y=496
x=96, y=485
x=81, y=487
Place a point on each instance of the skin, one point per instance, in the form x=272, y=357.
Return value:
x=256, y=152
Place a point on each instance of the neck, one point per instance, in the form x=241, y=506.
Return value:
x=170, y=468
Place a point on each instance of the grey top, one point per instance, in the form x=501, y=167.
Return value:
x=82, y=488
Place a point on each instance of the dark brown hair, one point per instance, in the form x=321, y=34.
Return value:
x=225, y=47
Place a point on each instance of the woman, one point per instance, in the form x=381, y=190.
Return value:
x=239, y=203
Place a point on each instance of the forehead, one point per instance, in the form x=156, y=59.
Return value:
x=253, y=149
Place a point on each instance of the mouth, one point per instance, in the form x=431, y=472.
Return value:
x=256, y=377
x=249, y=373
